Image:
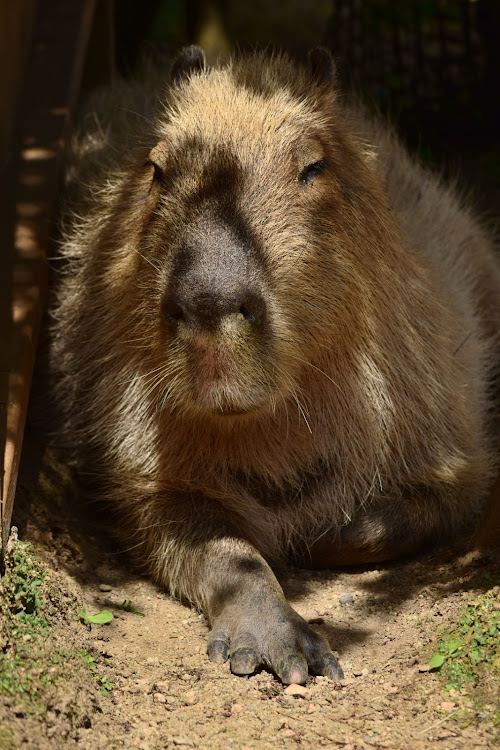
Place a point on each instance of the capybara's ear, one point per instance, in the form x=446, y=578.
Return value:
x=189, y=60
x=322, y=65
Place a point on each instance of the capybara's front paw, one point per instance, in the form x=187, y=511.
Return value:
x=277, y=638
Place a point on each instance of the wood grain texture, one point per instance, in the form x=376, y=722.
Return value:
x=47, y=97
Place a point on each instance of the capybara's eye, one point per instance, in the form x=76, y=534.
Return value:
x=157, y=171
x=311, y=171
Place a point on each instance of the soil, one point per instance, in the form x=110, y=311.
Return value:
x=143, y=681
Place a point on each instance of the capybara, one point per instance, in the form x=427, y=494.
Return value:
x=274, y=340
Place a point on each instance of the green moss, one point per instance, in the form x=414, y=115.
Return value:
x=104, y=684
x=24, y=622
x=468, y=659
x=35, y=656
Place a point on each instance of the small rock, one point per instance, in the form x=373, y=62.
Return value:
x=357, y=672
x=346, y=599
x=183, y=741
x=289, y=733
x=105, y=587
x=298, y=690
x=236, y=708
x=447, y=705
x=160, y=698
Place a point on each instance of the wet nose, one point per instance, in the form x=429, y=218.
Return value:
x=207, y=308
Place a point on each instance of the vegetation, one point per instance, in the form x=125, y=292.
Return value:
x=468, y=658
x=24, y=622
x=127, y=607
x=35, y=657
x=100, y=618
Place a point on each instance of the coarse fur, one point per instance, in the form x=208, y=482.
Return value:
x=275, y=332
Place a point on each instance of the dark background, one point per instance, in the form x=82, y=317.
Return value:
x=432, y=65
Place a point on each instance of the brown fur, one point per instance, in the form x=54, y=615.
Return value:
x=351, y=421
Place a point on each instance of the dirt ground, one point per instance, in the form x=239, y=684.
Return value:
x=143, y=681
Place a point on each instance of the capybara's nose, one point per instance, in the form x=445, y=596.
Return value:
x=208, y=308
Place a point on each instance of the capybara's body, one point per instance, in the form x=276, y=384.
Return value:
x=274, y=339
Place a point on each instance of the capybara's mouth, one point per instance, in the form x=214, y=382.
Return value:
x=224, y=402
x=228, y=412
x=226, y=385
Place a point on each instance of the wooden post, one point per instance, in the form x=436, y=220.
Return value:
x=47, y=98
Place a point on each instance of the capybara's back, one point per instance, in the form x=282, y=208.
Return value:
x=276, y=338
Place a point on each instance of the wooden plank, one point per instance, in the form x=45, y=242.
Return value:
x=28, y=195
x=16, y=21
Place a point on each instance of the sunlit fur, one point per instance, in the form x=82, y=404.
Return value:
x=374, y=381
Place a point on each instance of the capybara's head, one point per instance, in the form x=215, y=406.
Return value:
x=245, y=221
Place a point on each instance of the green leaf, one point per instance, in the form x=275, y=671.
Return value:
x=453, y=646
x=127, y=607
x=101, y=618
x=437, y=661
